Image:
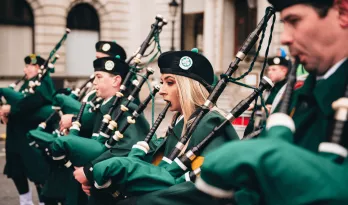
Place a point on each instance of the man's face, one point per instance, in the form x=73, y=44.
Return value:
x=102, y=83
x=30, y=70
x=310, y=37
x=101, y=55
x=276, y=73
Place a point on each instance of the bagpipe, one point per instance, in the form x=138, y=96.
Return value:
x=134, y=61
x=70, y=148
x=80, y=92
x=220, y=86
x=46, y=67
x=118, y=107
x=271, y=166
x=41, y=137
x=13, y=96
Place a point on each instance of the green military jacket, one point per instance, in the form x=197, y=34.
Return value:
x=32, y=102
x=26, y=115
x=313, y=114
x=210, y=120
x=274, y=91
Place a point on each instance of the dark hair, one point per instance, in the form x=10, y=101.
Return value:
x=322, y=8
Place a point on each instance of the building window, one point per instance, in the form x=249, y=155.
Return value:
x=17, y=35
x=193, y=38
x=245, y=23
x=16, y=12
x=80, y=46
x=83, y=17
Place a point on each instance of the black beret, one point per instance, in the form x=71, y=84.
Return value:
x=279, y=5
x=34, y=59
x=111, y=48
x=190, y=64
x=111, y=65
x=278, y=60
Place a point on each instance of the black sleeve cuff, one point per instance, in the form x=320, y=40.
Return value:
x=88, y=170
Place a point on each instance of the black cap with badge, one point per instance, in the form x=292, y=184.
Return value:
x=111, y=65
x=190, y=64
x=278, y=60
x=34, y=59
x=279, y=5
x=110, y=48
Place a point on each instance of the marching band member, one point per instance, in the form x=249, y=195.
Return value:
x=285, y=167
x=103, y=49
x=109, y=73
x=277, y=71
x=21, y=161
x=55, y=186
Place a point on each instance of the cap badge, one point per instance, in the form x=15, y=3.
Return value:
x=33, y=59
x=106, y=47
x=109, y=65
x=276, y=61
x=185, y=63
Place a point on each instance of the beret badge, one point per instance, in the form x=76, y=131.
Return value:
x=185, y=62
x=109, y=65
x=276, y=61
x=106, y=47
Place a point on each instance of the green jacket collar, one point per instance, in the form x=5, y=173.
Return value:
x=105, y=106
x=174, y=136
x=331, y=89
x=326, y=91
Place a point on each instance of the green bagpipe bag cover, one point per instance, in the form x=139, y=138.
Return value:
x=78, y=150
x=11, y=96
x=131, y=176
x=67, y=104
x=282, y=173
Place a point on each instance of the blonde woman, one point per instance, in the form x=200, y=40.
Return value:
x=186, y=80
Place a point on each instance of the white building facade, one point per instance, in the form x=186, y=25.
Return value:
x=216, y=27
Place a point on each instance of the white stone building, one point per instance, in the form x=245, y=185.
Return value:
x=216, y=27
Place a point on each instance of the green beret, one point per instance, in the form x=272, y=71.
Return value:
x=279, y=5
x=34, y=59
x=110, y=48
x=111, y=65
x=190, y=64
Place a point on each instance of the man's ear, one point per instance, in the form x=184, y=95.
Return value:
x=285, y=70
x=117, y=81
x=342, y=6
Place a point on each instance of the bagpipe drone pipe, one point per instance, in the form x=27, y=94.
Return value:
x=135, y=59
x=75, y=150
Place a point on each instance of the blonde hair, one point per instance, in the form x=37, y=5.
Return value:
x=192, y=94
